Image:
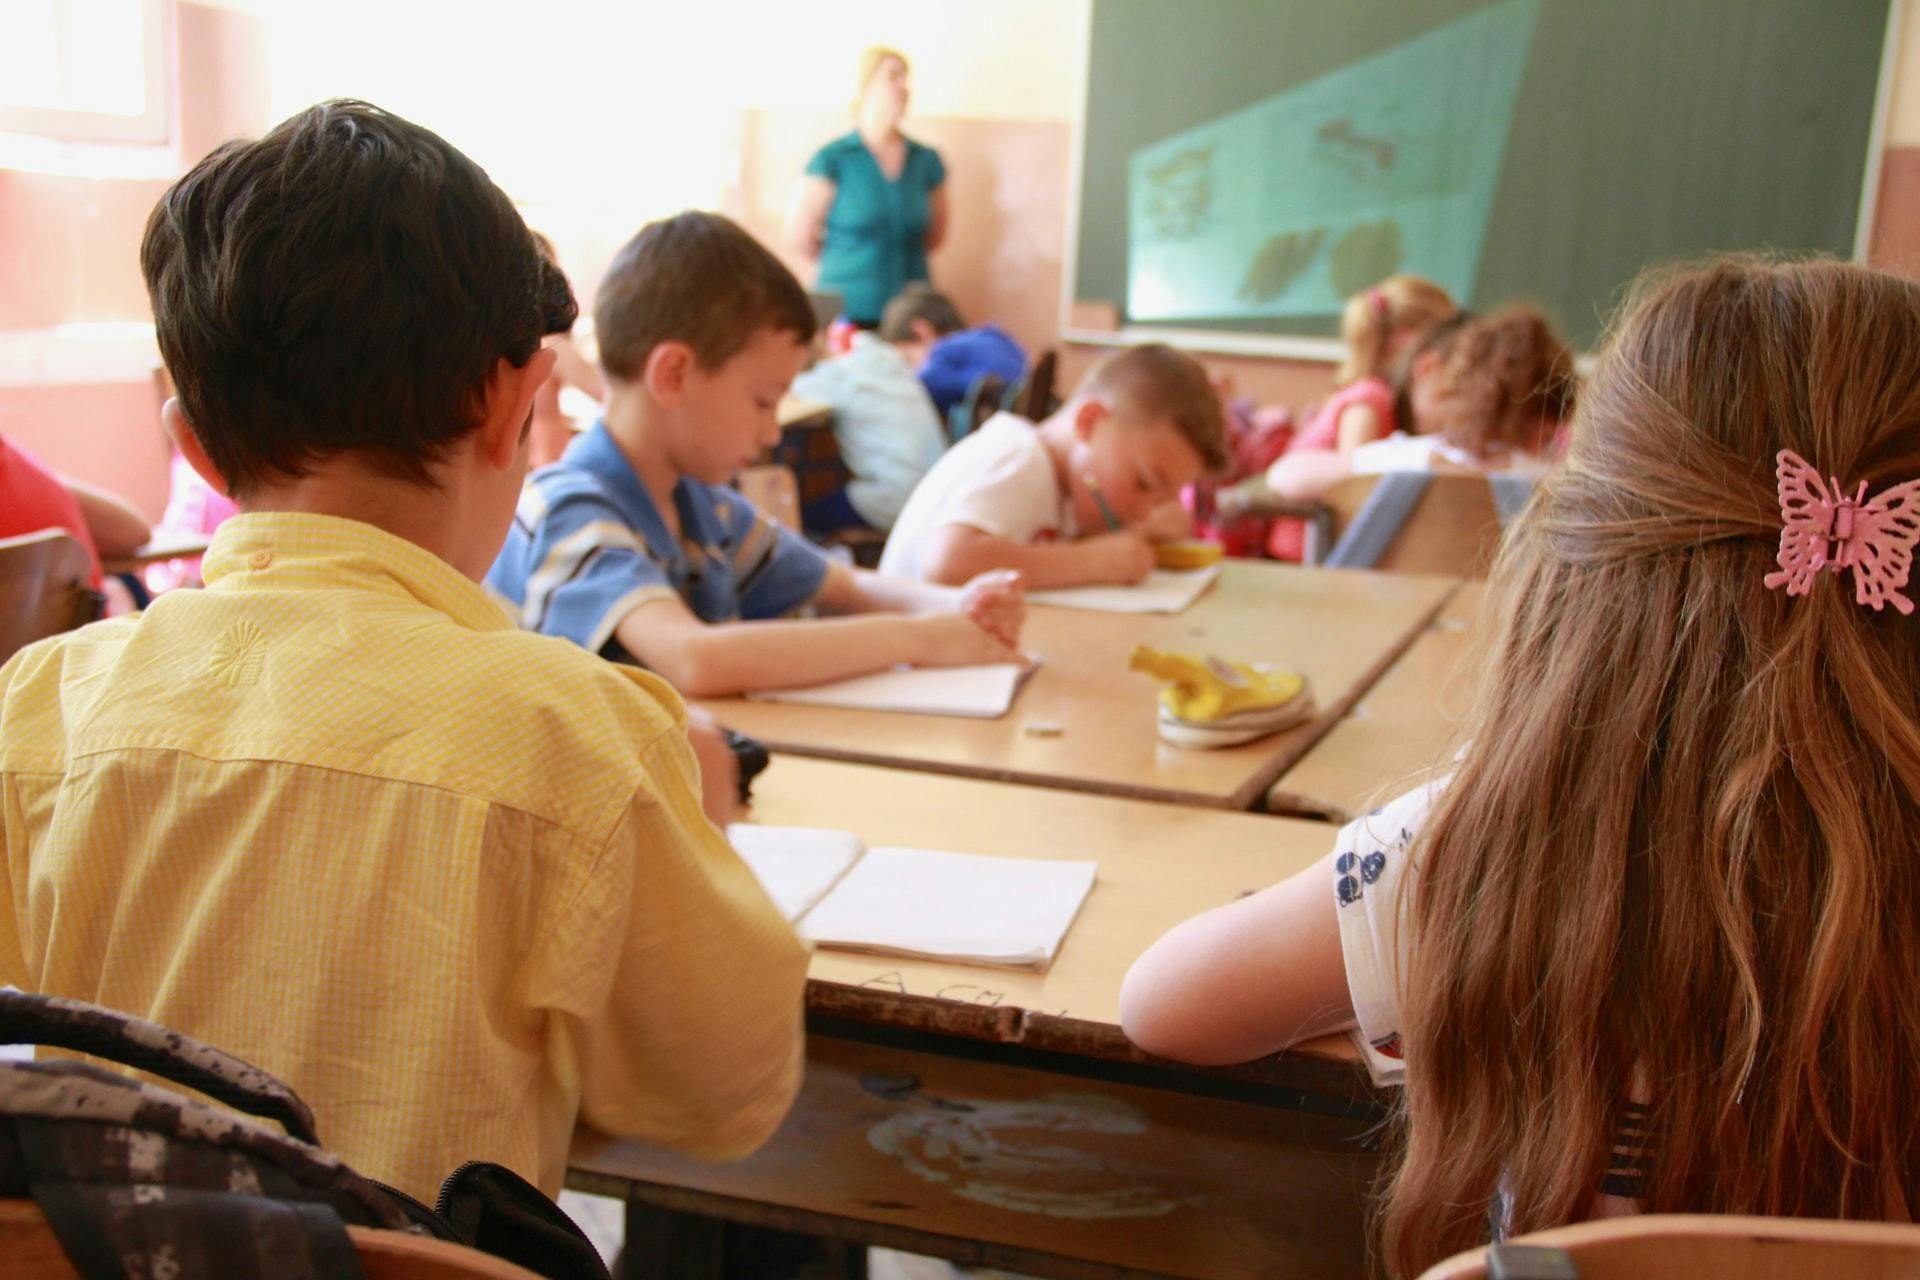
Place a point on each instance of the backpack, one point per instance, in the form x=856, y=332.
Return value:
x=137, y=1180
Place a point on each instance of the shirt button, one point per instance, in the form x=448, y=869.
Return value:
x=260, y=559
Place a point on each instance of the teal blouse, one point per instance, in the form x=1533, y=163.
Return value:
x=876, y=233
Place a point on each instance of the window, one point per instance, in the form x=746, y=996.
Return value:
x=86, y=70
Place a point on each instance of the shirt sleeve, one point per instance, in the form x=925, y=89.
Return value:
x=1369, y=892
x=1012, y=496
x=936, y=169
x=825, y=164
x=775, y=570
x=572, y=567
x=684, y=1005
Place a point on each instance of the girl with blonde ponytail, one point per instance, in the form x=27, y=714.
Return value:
x=1653, y=945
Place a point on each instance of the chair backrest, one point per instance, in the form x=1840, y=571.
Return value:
x=981, y=402
x=32, y=1252
x=1035, y=398
x=43, y=588
x=1698, y=1247
x=1454, y=526
x=773, y=488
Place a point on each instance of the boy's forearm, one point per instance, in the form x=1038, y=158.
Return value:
x=1041, y=565
x=734, y=657
x=868, y=592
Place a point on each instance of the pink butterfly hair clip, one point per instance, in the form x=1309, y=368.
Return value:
x=1822, y=528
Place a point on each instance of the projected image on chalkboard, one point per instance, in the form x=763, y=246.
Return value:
x=1286, y=207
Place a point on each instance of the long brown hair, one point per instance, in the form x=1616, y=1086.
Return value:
x=1509, y=372
x=1676, y=863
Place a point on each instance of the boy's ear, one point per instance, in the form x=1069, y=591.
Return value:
x=923, y=330
x=510, y=392
x=1088, y=417
x=665, y=373
x=174, y=420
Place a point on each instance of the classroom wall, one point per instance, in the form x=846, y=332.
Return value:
x=1002, y=259
x=596, y=129
x=76, y=351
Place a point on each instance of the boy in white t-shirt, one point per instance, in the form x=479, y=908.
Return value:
x=1078, y=498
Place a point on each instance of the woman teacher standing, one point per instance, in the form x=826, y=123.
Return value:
x=874, y=202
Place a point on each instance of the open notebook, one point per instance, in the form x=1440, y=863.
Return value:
x=1162, y=591
x=916, y=902
x=982, y=692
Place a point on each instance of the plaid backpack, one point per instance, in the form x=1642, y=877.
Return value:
x=137, y=1181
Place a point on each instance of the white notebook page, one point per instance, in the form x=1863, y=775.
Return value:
x=1162, y=591
x=952, y=906
x=796, y=865
x=982, y=692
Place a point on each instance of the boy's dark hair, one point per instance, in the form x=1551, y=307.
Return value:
x=696, y=278
x=919, y=301
x=349, y=281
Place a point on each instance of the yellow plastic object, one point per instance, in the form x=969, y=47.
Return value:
x=1201, y=689
x=1188, y=554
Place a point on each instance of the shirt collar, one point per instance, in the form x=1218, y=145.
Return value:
x=279, y=549
x=595, y=451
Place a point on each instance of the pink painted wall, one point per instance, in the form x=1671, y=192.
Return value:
x=69, y=254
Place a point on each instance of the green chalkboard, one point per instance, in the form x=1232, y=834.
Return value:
x=1248, y=163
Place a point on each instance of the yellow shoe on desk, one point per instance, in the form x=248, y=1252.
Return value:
x=1210, y=702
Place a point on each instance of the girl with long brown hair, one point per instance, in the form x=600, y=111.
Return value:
x=1653, y=945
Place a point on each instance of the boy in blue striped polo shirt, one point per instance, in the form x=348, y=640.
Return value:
x=632, y=546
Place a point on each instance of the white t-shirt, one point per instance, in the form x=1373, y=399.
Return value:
x=999, y=480
x=883, y=420
x=1370, y=901
x=1402, y=452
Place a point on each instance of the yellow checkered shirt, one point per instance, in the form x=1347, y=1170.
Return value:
x=448, y=879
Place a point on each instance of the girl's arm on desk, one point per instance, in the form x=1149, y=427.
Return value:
x=1243, y=980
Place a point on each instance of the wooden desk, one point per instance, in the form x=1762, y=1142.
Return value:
x=1341, y=629
x=1405, y=728
x=997, y=1117
x=796, y=412
x=167, y=546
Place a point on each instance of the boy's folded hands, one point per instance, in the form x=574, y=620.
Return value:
x=974, y=624
x=996, y=602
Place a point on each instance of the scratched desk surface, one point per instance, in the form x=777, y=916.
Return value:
x=1158, y=865
x=1082, y=1159
x=1341, y=629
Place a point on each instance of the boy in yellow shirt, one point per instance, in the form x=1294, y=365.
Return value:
x=1079, y=498
x=633, y=547
x=335, y=813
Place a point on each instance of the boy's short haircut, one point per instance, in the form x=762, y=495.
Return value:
x=1155, y=381
x=919, y=301
x=696, y=278
x=348, y=282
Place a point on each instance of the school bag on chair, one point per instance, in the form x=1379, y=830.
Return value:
x=136, y=1180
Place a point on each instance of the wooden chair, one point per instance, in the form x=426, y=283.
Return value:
x=1689, y=1247
x=30, y=1251
x=1034, y=398
x=44, y=588
x=983, y=399
x=1454, y=526
x=772, y=488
